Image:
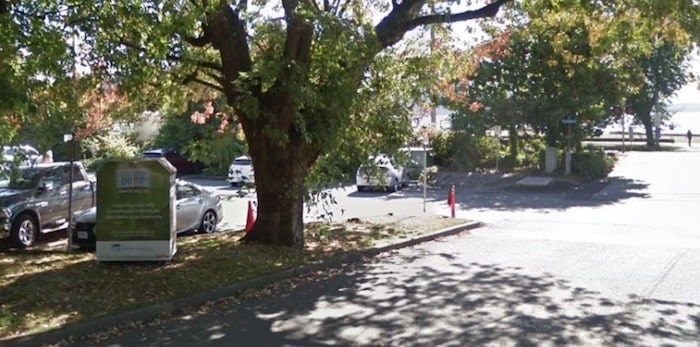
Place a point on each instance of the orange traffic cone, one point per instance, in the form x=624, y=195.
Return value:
x=250, y=220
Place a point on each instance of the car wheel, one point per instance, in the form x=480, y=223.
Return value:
x=23, y=232
x=208, y=224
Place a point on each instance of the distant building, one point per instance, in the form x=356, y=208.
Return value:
x=422, y=118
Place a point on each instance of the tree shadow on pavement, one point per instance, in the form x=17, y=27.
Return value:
x=596, y=193
x=449, y=303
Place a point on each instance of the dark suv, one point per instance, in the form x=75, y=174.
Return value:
x=183, y=165
x=35, y=200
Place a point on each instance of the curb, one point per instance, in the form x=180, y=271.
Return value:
x=102, y=323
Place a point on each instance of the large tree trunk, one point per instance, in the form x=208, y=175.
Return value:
x=514, y=140
x=649, y=130
x=642, y=112
x=280, y=191
x=281, y=141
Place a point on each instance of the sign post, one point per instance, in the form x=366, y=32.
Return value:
x=136, y=211
x=568, y=120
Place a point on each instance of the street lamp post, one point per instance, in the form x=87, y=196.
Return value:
x=623, y=132
x=569, y=121
x=70, y=141
x=424, y=141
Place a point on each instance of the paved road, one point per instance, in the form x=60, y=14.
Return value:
x=611, y=265
x=348, y=203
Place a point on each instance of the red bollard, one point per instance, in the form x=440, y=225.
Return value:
x=250, y=220
x=451, y=200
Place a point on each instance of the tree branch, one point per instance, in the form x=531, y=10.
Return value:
x=194, y=79
x=404, y=18
x=489, y=10
x=198, y=41
x=314, y=4
x=215, y=77
x=65, y=11
x=290, y=7
x=199, y=63
x=229, y=37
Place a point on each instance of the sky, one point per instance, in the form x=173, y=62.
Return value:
x=688, y=95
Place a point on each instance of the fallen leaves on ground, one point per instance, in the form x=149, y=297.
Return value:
x=40, y=290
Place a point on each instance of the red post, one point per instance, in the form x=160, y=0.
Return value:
x=250, y=220
x=451, y=200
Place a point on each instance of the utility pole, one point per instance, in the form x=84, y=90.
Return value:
x=433, y=110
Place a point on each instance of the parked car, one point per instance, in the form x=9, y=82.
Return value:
x=418, y=158
x=381, y=172
x=35, y=200
x=241, y=171
x=27, y=155
x=4, y=175
x=195, y=209
x=183, y=165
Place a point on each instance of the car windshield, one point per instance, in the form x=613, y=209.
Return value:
x=4, y=179
x=23, y=178
x=242, y=162
x=152, y=154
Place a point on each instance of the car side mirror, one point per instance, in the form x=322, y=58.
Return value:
x=46, y=186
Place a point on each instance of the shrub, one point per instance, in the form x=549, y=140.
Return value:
x=463, y=151
x=100, y=148
x=529, y=156
x=592, y=164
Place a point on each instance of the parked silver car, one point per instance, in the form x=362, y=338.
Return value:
x=196, y=210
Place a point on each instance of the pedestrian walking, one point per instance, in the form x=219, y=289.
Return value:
x=690, y=138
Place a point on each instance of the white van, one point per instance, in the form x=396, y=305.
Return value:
x=384, y=174
x=241, y=171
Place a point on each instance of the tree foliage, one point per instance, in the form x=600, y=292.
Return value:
x=203, y=133
x=576, y=59
x=664, y=73
x=292, y=71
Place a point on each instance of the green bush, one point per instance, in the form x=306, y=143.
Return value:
x=94, y=164
x=592, y=164
x=112, y=145
x=529, y=156
x=462, y=151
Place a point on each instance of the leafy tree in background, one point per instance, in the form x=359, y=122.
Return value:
x=646, y=44
x=13, y=98
x=566, y=58
x=545, y=76
x=663, y=72
x=203, y=134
